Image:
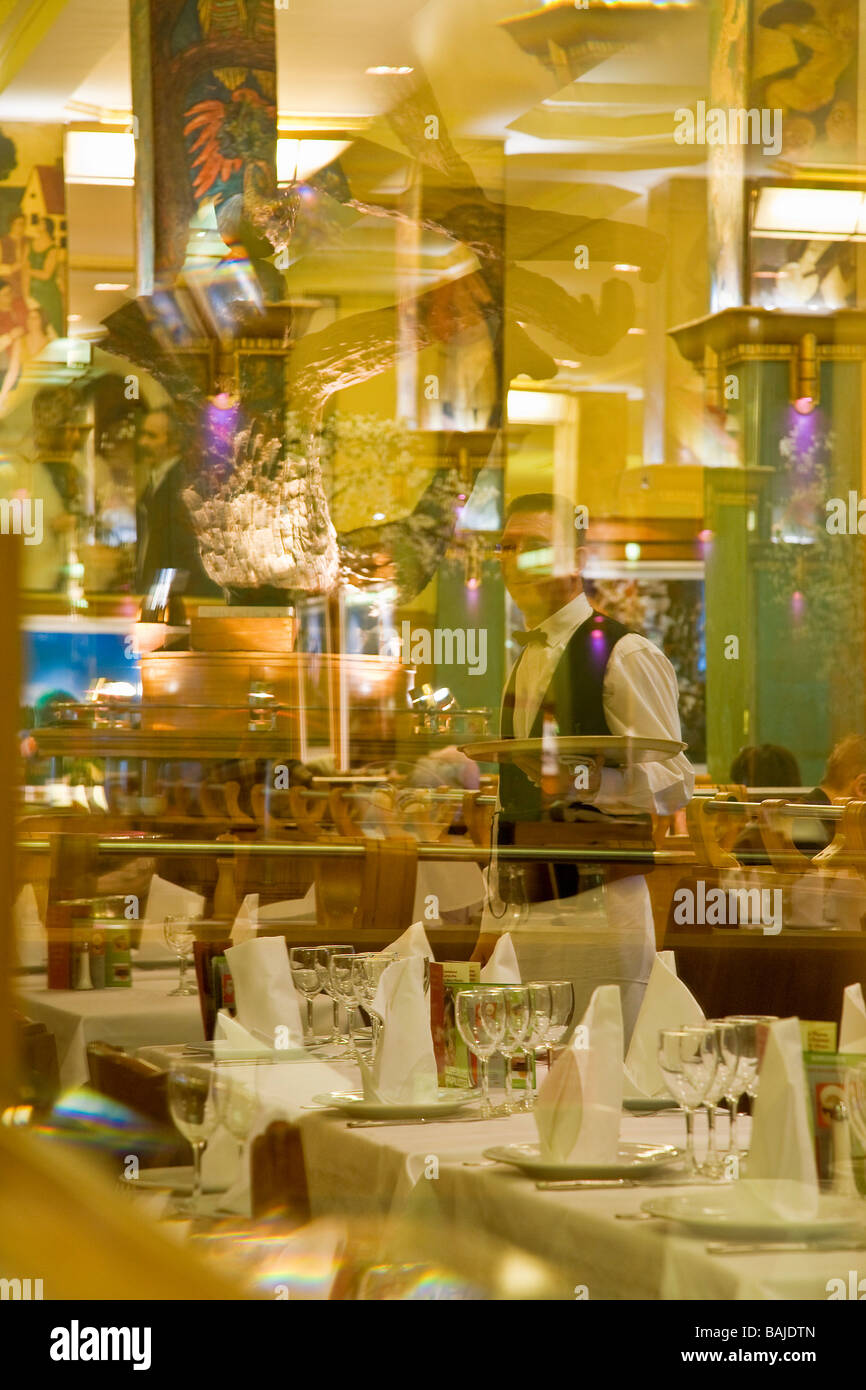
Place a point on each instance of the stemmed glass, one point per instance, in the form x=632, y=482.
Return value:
x=750, y=1044
x=342, y=981
x=688, y=1058
x=367, y=971
x=510, y=895
x=193, y=1108
x=540, y=1009
x=179, y=937
x=325, y=954
x=518, y=1019
x=304, y=964
x=235, y=1091
x=561, y=1014
x=728, y=1045
x=480, y=1018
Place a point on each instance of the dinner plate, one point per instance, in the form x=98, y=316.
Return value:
x=446, y=1102
x=179, y=1179
x=616, y=749
x=648, y=1105
x=723, y=1212
x=632, y=1161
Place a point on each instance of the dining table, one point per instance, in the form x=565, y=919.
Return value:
x=598, y=1239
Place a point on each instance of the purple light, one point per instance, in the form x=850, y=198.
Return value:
x=705, y=535
x=804, y=405
x=798, y=603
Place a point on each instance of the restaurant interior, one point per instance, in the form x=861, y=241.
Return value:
x=434, y=780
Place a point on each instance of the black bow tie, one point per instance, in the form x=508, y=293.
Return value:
x=534, y=635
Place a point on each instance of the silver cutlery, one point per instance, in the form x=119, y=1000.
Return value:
x=782, y=1247
x=433, y=1120
x=584, y=1184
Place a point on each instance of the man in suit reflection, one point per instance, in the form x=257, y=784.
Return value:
x=580, y=673
x=166, y=539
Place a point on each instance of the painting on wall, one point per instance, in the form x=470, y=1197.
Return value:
x=33, y=258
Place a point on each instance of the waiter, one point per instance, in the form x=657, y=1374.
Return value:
x=166, y=539
x=579, y=673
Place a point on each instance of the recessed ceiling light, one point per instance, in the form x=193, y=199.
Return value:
x=385, y=71
x=73, y=318
x=108, y=285
x=636, y=332
x=566, y=362
x=621, y=265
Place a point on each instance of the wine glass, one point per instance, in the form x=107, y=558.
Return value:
x=728, y=1045
x=342, y=982
x=179, y=935
x=511, y=892
x=561, y=1014
x=518, y=1019
x=480, y=1018
x=304, y=964
x=688, y=1058
x=193, y=1108
x=540, y=1008
x=367, y=971
x=751, y=1038
x=324, y=966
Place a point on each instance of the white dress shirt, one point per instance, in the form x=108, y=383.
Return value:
x=640, y=697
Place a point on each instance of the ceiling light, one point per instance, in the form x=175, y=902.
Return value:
x=97, y=156
x=631, y=269
x=809, y=212
x=384, y=71
x=298, y=159
x=107, y=286
x=73, y=318
x=637, y=332
x=566, y=362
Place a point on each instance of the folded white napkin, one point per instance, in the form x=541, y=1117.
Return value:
x=265, y=995
x=246, y=921
x=667, y=1003
x=852, y=1033
x=31, y=942
x=404, y=1069
x=413, y=942
x=502, y=967
x=451, y=886
x=781, y=1175
x=579, y=1105
x=165, y=900
x=291, y=907
x=231, y=1036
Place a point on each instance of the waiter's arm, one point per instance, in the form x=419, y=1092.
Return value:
x=640, y=698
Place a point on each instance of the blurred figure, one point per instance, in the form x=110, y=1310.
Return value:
x=769, y=765
x=844, y=779
x=43, y=263
x=13, y=254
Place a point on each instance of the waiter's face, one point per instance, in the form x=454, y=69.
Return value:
x=540, y=564
x=153, y=441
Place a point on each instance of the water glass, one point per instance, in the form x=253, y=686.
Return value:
x=304, y=964
x=751, y=1037
x=688, y=1059
x=342, y=982
x=728, y=1046
x=324, y=956
x=480, y=1018
x=367, y=971
x=561, y=1014
x=193, y=1109
x=540, y=1009
x=518, y=1019
x=179, y=935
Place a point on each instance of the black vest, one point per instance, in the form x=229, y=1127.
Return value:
x=575, y=698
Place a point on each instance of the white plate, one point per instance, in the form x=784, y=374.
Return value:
x=633, y=1161
x=353, y=1103
x=722, y=1213
x=617, y=749
x=178, y=1179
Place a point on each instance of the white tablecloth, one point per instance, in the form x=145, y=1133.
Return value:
x=579, y=1233
x=129, y=1018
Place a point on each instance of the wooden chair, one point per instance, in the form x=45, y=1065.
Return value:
x=278, y=1176
x=38, y=1068
x=138, y=1085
